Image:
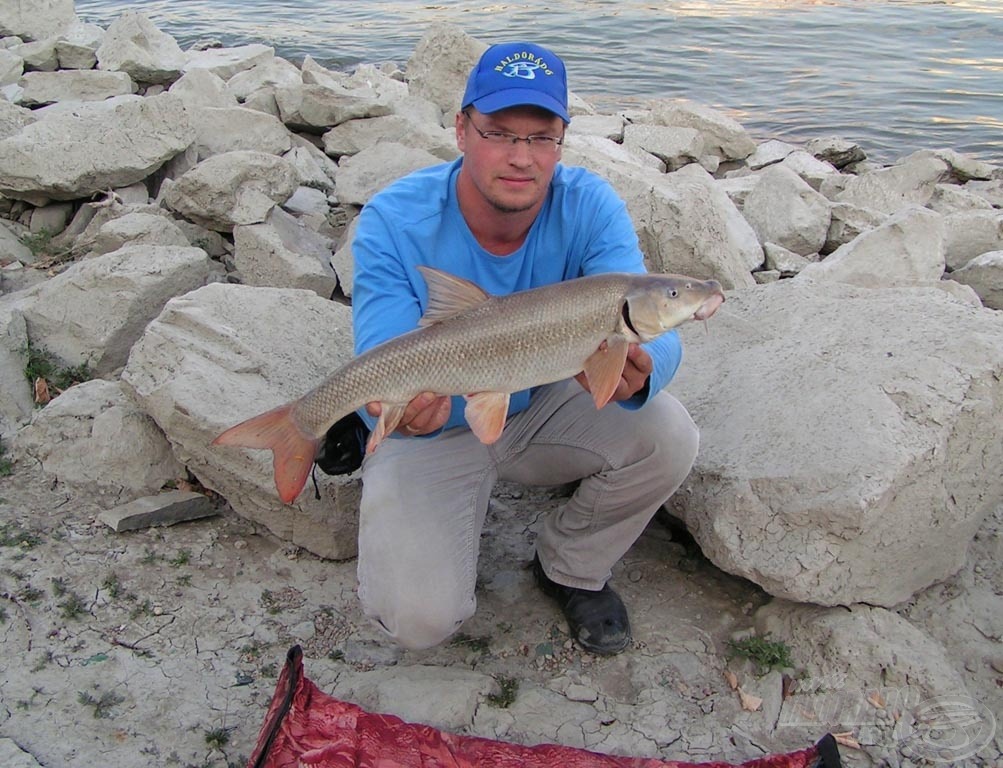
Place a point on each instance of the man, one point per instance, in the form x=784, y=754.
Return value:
x=508, y=216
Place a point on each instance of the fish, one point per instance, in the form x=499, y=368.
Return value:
x=485, y=348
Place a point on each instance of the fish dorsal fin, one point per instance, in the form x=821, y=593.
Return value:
x=448, y=295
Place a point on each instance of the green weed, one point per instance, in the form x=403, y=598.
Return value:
x=101, y=704
x=508, y=687
x=42, y=365
x=6, y=465
x=15, y=536
x=764, y=653
x=217, y=738
x=184, y=557
x=73, y=607
x=463, y=640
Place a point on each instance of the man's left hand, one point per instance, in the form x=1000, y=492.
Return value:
x=636, y=370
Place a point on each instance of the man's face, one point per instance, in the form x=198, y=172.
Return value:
x=509, y=177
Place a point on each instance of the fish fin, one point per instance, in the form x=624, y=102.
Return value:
x=390, y=416
x=448, y=296
x=293, y=450
x=604, y=368
x=486, y=413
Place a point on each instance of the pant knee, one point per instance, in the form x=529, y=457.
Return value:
x=418, y=621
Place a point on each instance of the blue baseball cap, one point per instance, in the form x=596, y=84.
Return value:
x=515, y=75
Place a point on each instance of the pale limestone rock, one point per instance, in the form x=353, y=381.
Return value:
x=38, y=56
x=343, y=263
x=135, y=45
x=315, y=108
x=847, y=222
x=607, y=126
x=76, y=47
x=366, y=173
x=16, y=400
x=952, y=198
x=37, y=19
x=835, y=150
x=94, y=311
x=51, y=219
x=224, y=353
x=971, y=233
x=313, y=168
x=167, y=508
x=233, y=188
x=227, y=62
x=11, y=67
x=906, y=248
x=283, y=253
x=984, y=273
x=910, y=182
x=783, y=209
x=138, y=229
x=352, y=136
x=783, y=261
x=722, y=135
x=228, y=129
x=809, y=168
x=440, y=64
x=57, y=158
x=73, y=85
x=674, y=146
x=307, y=201
x=12, y=247
x=872, y=487
x=202, y=88
x=274, y=72
x=769, y=152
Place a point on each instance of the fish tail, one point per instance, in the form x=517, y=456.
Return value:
x=293, y=450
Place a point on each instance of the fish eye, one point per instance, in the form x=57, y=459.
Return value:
x=673, y=293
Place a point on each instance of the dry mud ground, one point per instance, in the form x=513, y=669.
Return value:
x=161, y=647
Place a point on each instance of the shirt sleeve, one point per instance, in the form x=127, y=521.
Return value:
x=612, y=246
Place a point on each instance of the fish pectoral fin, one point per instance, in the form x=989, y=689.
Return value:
x=604, y=368
x=486, y=413
x=293, y=450
x=448, y=296
x=390, y=416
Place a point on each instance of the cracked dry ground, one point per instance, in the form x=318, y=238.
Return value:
x=161, y=647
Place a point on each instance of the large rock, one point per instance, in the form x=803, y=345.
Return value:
x=888, y=190
x=76, y=47
x=58, y=158
x=96, y=310
x=228, y=62
x=233, y=188
x=783, y=209
x=229, y=129
x=971, y=233
x=315, y=108
x=985, y=274
x=225, y=353
x=353, y=136
x=37, y=19
x=440, y=64
x=845, y=438
x=73, y=85
x=16, y=402
x=94, y=437
x=133, y=44
x=364, y=174
x=721, y=134
x=906, y=249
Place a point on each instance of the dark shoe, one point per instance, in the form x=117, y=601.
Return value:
x=597, y=620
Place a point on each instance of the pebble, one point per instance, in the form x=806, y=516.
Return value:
x=635, y=575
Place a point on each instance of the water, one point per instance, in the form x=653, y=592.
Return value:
x=892, y=75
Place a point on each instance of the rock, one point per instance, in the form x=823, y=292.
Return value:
x=847, y=222
x=39, y=56
x=73, y=85
x=231, y=189
x=968, y=234
x=835, y=150
x=674, y=146
x=438, y=68
x=222, y=354
x=721, y=135
x=12, y=247
x=274, y=73
x=910, y=182
x=783, y=261
x=11, y=68
x=137, y=138
x=94, y=312
x=307, y=201
x=908, y=247
x=228, y=62
x=809, y=168
x=366, y=173
x=951, y=198
x=76, y=47
x=11, y=755
x=138, y=229
x=282, y=253
x=13, y=118
x=768, y=153
x=985, y=274
x=607, y=126
x=133, y=44
x=882, y=467
x=783, y=209
x=343, y=263
x=229, y=129
x=50, y=219
x=315, y=108
x=36, y=19
x=352, y=136
x=16, y=399
x=313, y=168
x=202, y=88
x=167, y=508
x=93, y=437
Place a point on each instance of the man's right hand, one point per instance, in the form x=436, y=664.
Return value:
x=425, y=414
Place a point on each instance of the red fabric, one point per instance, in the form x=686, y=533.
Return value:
x=306, y=727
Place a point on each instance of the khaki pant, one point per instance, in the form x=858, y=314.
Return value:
x=424, y=501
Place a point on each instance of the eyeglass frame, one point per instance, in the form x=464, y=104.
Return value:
x=501, y=138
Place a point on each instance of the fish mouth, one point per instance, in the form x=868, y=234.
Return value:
x=709, y=307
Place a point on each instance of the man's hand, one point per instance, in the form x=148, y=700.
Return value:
x=425, y=414
x=634, y=378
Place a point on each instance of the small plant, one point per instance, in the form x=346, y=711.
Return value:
x=149, y=557
x=59, y=587
x=185, y=580
x=31, y=594
x=6, y=465
x=508, y=687
x=270, y=670
x=217, y=738
x=269, y=602
x=14, y=536
x=42, y=365
x=73, y=607
x=765, y=653
x=101, y=704
x=3, y=615
x=112, y=585
x=184, y=557
x=145, y=609
x=463, y=640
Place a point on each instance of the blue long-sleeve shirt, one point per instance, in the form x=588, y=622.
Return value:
x=582, y=229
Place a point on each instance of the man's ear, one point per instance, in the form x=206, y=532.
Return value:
x=461, y=134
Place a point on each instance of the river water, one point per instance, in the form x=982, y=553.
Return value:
x=892, y=75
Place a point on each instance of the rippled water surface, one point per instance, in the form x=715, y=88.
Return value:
x=893, y=75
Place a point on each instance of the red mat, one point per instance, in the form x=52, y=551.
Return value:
x=306, y=727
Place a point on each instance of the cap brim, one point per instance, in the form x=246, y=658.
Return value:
x=520, y=97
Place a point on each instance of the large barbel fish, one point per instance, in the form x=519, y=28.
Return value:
x=484, y=348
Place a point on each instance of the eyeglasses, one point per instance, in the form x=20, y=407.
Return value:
x=536, y=144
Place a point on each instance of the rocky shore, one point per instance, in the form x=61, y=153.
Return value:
x=175, y=256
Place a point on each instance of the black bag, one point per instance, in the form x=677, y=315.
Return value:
x=344, y=446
